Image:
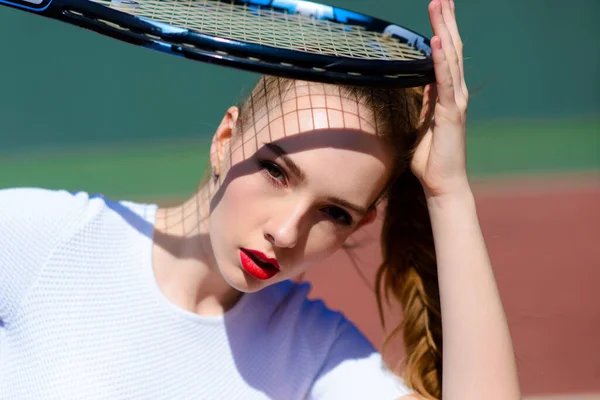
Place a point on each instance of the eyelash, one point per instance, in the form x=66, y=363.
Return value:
x=267, y=168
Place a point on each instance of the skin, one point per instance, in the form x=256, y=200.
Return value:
x=257, y=206
x=260, y=203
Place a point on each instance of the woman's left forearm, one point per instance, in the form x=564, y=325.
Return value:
x=478, y=357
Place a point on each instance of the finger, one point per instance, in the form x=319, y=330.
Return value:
x=443, y=75
x=440, y=30
x=449, y=14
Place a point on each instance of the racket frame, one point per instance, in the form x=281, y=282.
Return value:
x=253, y=57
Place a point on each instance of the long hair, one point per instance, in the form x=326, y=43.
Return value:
x=408, y=272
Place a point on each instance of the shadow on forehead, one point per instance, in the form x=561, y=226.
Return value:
x=343, y=139
x=352, y=140
x=280, y=107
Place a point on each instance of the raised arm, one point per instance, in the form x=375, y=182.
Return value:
x=478, y=359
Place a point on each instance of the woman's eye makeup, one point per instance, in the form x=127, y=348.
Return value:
x=338, y=215
x=273, y=172
x=277, y=177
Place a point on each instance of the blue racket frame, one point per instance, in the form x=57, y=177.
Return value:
x=250, y=56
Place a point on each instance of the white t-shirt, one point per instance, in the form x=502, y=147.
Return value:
x=82, y=317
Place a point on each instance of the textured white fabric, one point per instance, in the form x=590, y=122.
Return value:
x=81, y=317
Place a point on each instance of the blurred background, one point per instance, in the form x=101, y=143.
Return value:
x=83, y=112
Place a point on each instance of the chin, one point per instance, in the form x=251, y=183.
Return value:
x=239, y=280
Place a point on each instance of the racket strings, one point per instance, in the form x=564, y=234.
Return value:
x=270, y=27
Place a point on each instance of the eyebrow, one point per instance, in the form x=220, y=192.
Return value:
x=343, y=203
x=298, y=173
x=301, y=176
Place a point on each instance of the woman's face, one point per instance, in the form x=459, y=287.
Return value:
x=293, y=186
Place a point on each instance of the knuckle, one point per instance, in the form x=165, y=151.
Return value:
x=462, y=107
x=449, y=82
x=453, y=57
x=465, y=94
x=440, y=59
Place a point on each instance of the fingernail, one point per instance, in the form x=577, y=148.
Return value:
x=452, y=4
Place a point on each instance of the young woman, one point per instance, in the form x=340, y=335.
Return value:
x=102, y=299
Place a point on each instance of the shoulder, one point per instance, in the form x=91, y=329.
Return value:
x=32, y=224
x=19, y=202
x=313, y=327
x=32, y=196
x=45, y=205
x=47, y=211
x=36, y=218
x=347, y=362
x=285, y=310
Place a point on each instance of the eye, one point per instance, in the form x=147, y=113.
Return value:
x=273, y=171
x=338, y=215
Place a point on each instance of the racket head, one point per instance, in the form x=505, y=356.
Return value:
x=288, y=38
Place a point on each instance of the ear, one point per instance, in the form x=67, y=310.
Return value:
x=222, y=137
x=369, y=217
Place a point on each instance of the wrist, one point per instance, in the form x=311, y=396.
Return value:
x=460, y=197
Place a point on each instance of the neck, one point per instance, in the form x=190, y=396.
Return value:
x=183, y=260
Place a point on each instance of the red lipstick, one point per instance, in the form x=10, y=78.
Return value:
x=258, y=265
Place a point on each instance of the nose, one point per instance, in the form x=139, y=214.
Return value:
x=284, y=226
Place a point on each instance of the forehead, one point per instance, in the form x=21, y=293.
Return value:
x=281, y=111
x=328, y=133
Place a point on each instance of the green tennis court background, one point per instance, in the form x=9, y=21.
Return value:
x=83, y=112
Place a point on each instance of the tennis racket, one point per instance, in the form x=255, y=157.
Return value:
x=288, y=38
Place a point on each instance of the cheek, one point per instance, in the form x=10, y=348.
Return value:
x=322, y=240
x=240, y=205
x=246, y=205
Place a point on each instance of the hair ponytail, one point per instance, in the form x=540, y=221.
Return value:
x=409, y=273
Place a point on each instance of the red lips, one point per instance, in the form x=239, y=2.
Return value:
x=258, y=264
x=263, y=258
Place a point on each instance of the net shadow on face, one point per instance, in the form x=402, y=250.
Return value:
x=299, y=117
x=352, y=140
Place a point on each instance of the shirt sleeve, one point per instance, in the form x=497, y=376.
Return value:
x=32, y=224
x=355, y=370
